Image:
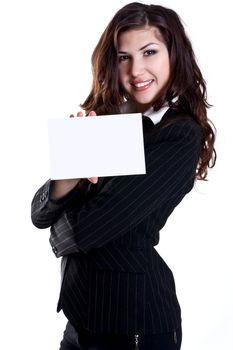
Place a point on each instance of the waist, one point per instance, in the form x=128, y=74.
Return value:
x=130, y=258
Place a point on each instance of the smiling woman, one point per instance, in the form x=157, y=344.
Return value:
x=117, y=292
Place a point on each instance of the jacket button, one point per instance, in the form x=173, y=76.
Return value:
x=43, y=196
x=54, y=249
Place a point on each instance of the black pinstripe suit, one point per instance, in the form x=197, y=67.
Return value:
x=115, y=281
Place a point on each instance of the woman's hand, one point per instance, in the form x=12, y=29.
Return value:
x=61, y=187
x=93, y=180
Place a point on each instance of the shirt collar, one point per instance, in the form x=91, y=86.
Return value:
x=155, y=116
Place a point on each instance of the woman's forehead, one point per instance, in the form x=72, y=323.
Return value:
x=139, y=34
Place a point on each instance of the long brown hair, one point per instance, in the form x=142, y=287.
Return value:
x=186, y=81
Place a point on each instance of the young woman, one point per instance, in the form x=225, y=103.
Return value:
x=117, y=292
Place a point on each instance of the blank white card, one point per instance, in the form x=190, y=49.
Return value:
x=82, y=147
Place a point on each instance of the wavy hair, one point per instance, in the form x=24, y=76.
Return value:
x=186, y=81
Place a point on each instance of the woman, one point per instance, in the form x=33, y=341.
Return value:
x=117, y=292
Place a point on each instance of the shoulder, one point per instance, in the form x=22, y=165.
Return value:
x=174, y=128
x=178, y=124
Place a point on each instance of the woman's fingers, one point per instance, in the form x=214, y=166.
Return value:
x=93, y=180
x=80, y=114
x=92, y=113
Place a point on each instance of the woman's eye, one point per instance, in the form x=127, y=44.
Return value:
x=123, y=58
x=150, y=52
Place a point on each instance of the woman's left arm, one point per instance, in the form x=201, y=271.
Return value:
x=171, y=161
x=45, y=211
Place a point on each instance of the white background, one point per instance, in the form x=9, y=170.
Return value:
x=45, y=72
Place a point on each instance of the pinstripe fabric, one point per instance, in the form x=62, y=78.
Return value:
x=115, y=281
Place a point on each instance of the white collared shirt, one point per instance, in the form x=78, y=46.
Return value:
x=155, y=116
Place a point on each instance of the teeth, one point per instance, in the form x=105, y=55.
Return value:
x=143, y=84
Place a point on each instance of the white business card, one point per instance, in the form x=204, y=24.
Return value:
x=109, y=145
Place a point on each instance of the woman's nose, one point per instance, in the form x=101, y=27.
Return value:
x=137, y=67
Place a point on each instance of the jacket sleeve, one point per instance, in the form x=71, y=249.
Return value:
x=45, y=212
x=171, y=161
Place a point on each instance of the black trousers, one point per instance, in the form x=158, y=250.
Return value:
x=88, y=341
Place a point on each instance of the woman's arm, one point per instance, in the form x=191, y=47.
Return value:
x=171, y=161
x=61, y=188
x=53, y=197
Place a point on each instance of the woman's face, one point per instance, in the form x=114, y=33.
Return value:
x=143, y=65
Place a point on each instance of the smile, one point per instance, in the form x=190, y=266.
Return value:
x=143, y=85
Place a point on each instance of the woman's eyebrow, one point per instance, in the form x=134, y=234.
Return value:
x=145, y=46
x=142, y=48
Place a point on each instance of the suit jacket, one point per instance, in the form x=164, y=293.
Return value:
x=114, y=281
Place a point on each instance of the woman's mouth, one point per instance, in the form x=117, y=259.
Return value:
x=142, y=85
